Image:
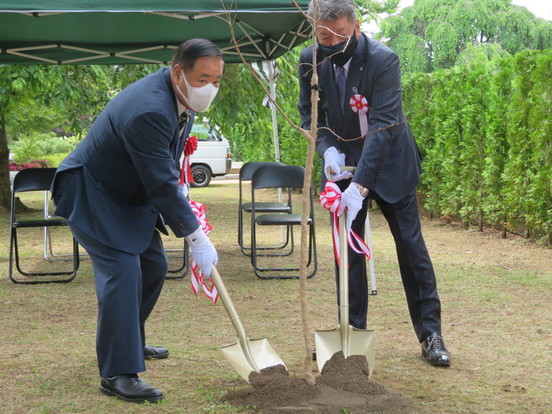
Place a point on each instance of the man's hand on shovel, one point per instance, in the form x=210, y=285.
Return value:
x=203, y=251
x=351, y=200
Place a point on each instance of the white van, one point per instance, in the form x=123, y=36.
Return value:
x=212, y=156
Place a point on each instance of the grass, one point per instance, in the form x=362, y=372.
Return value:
x=496, y=320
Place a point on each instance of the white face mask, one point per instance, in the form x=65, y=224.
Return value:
x=199, y=97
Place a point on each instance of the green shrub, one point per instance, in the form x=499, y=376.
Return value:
x=56, y=159
x=485, y=132
x=40, y=146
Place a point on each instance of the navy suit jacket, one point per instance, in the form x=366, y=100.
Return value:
x=387, y=161
x=124, y=174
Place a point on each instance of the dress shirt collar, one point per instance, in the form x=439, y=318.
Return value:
x=345, y=66
x=180, y=108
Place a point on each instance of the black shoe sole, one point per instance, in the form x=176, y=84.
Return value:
x=439, y=363
x=157, y=356
x=127, y=399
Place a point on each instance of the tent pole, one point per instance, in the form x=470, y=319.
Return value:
x=271, y=64
x=272, y=89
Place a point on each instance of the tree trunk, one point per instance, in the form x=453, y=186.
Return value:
x=5, y=189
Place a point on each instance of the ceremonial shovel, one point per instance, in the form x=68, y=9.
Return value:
x=344, y=337
x=246, y=355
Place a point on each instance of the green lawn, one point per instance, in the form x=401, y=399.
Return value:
x=496, y=320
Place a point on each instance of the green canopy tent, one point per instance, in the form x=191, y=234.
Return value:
x=143, y=31
x=86, y=32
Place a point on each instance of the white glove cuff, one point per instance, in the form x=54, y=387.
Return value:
x=363, y=191
x=355, y=193
x=331, y=151
x=197, y=238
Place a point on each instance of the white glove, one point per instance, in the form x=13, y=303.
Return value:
x=333, y=160
x=203, y=251
x=352, y=201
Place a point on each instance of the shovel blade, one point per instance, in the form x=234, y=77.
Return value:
x=329, y=342
x=256, y=355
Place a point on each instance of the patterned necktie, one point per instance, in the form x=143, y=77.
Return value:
x=182, y=120
x=341, y=81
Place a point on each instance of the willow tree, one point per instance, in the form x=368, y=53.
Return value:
x=432, y=34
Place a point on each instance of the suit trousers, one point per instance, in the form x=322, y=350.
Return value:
x=127, y=288
x=415, y=266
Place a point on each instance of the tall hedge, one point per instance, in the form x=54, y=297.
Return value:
x=485, y=132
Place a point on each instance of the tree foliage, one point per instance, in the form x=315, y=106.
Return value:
x=36, y=99
x=433, y=34
x=485, y=132
x=369, y=9
x=19, y=85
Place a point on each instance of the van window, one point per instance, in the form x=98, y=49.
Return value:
x=204, y=133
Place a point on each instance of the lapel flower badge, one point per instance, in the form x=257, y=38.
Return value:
x=359, y=105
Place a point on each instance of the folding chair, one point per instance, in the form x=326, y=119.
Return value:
x=180, y=257
x=287, y=178
x=246, y=173
x=177, y=257
x=49, y=253
x=28, y=180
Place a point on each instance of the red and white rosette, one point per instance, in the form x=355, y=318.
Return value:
x=330, y=199
x=359, y=105
x=197, y=278
x=185, y=171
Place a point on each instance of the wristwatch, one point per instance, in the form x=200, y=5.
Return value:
x=362, y=190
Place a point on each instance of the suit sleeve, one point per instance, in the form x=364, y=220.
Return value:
x=325, y=138
x=385, y=120
x=149, y=141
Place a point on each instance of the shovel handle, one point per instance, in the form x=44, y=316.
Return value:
x=225, y=297
x=349, y=168
x=368, y=232
x=344, y=285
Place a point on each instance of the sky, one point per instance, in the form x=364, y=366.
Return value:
x=540, y=8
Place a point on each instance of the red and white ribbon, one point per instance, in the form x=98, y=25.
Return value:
x=330, y=199
x=185, y=171
x=199, y=211
x=197, y=278
x=359, y=105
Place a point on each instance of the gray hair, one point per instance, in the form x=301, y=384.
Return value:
x=330, y=10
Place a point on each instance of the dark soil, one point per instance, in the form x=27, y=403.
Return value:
x=342, y=385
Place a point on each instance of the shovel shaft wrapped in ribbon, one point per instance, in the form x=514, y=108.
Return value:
x=330, y=199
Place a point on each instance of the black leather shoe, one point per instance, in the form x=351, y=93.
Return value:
x=130, y=388
x=435, y=351
x=155, y=352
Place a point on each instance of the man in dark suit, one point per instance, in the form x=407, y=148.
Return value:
x=117, y=190
x=361, y=123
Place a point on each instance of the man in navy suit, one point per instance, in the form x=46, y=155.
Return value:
x=361, y=123
x=119, y=188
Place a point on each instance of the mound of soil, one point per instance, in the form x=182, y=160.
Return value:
x=343, y=384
